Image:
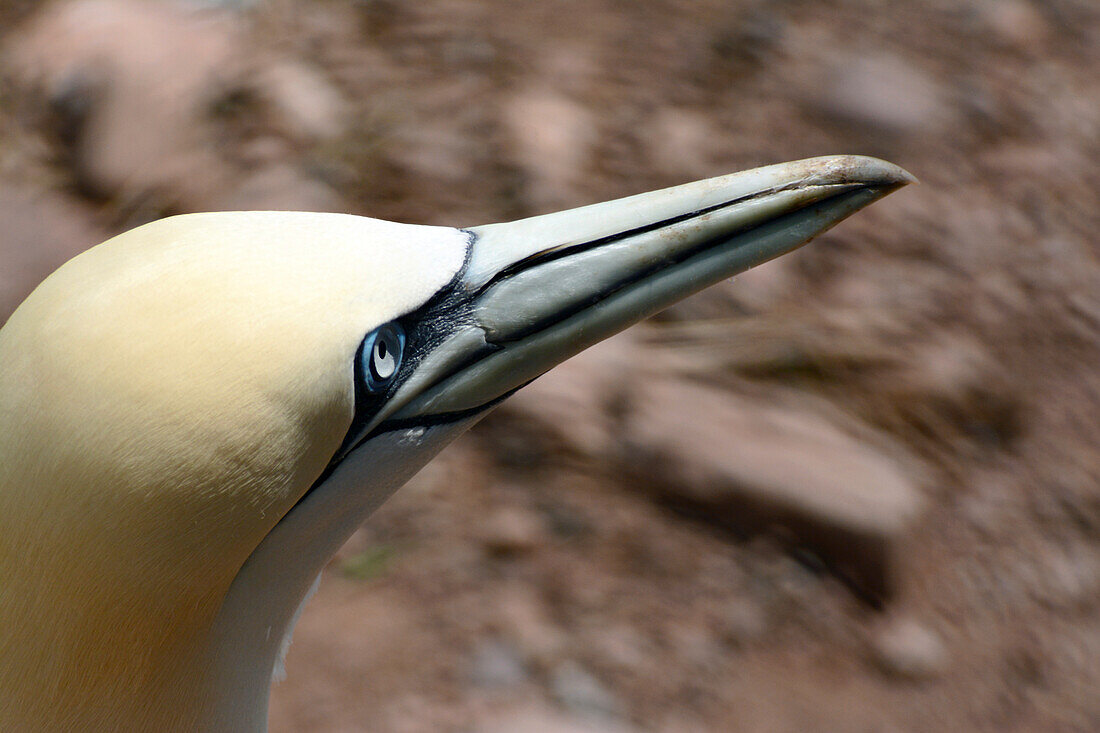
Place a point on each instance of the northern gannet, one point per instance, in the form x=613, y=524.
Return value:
x=197, y=413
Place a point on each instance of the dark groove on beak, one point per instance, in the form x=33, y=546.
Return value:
x=571, y=249
x=657, y=266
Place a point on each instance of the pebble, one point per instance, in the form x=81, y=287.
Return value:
x=541, y=720
x=513, y=530
x=497, y=664
x=582, y=694
x=743, y=622
x=906, y=649
x=524, y=620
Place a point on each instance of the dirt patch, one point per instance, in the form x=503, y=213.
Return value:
x=523, y=581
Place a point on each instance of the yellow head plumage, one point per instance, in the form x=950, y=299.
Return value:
x=165, y=398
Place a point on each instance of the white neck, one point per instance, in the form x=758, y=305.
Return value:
x=266, y=597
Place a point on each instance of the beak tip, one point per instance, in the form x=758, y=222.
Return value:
x=873, y=171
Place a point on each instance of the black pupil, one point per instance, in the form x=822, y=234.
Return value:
x=381, y=349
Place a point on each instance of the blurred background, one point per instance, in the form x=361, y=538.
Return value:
x=858, y=489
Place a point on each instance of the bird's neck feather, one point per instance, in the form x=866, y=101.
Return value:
x=258, y=614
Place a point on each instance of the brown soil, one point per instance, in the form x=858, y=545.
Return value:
x=529, y=582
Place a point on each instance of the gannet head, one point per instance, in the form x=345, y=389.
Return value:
x=197, y=413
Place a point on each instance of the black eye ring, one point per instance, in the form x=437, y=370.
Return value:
x=381, y=355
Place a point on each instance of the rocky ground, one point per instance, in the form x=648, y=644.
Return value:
x=855, y=490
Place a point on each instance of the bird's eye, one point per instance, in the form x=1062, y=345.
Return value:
x=382, y=350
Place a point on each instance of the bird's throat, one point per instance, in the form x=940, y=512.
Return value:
x=263, y=603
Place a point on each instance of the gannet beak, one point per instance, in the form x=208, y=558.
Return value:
x=543, y=289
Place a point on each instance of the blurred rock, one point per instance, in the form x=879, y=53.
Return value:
x=574, y=404
x=524, y=619
x=232, y=4
x=751, y=38
x=278, y=187
x=304, y=103
x=539, y=720
x=680, y=140
x=512, y=530
x=743, y=622
x=552, y=138
x=40, y=232
x=130, y=77
x=883, y=94
x=764, y=285
x=906, y=649
x=747, y=465
x=582, y=694
x=620, y=645
x=694, y=643
x=1068, y=580
x=954, y=382
x=1017, y=23
x=497, y=664
x=149, y=99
